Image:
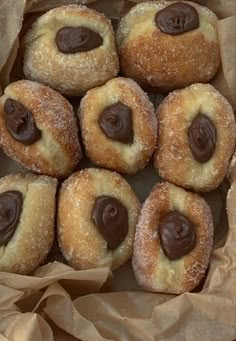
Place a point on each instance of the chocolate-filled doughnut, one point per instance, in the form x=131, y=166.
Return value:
x=72, y=49
x=27, y=212
x=38, y=129
x=97, y=216
x=167, y=45
x=118, y=126
x=173, y=240
x=196, y=137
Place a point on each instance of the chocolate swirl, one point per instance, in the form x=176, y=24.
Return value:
x=10, y=212
x=20, y=122
x=111, y=218
x=77, y=39
x=202, y=138
x=177, y=18
x=116, y=123
x=177, y=235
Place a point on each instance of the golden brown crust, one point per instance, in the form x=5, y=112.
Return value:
x=58, y=151
x=164, y=62
x=173, y=158
x=232, y=168
x=103, y=151
x=34, y=235
x=71, y=74
x=153, y=270
x=81, y=243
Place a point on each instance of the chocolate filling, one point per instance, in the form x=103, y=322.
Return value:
x=116, y=123
x=177, y=18
x=77, y=39
x=202, y=138
x=177, y=235
x=20, y=122
x=111, y=218
x=10, y=211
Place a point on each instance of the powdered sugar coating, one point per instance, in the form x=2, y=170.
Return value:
x=80, y=241
x=71, y=74
x=58, y=151
x=153, y=270
x=103, y=151
x=232, y=168
x=34, y=234
x=160, y=61
x=173, y=158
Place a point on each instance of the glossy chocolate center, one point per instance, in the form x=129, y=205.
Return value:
x=177, y=18
x=111, y=218
x=177, y=235
x=202, y=138
x=10, y=212
x=20, y=122
x=77, y=39
x=116, y=123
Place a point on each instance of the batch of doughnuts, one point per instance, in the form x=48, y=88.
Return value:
x=160, y=48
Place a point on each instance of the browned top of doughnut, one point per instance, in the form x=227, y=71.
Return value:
x=34, y=235
x=72, y=10
x=58, y=151
x=145, y=10
x=154, y=271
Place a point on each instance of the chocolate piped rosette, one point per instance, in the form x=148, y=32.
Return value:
x=97, y=217
x=72, y=49
x=118, y=126
x=173, y=240
x=38, y=129
x=168, y=45
x=27, y=213
x=196, y=137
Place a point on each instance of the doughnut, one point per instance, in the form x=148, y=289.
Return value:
x=27, y=212
x=196, y=137
x=173, y=240
x=118, y=126
x=97, y=216
x=38, y=129
x=167, y=45
x=72, y=49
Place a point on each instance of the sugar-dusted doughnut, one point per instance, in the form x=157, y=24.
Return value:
x=27, y=213
x=167, y=45
x=232, y=168
x=72, y=49
x=97, y=216
x=196, y=137
x=118, y=125
x=173, y=240
x=38, y=129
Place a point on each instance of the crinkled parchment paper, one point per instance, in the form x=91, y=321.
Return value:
x=59, y=303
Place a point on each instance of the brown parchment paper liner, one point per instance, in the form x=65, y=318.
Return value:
x=59, y=303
